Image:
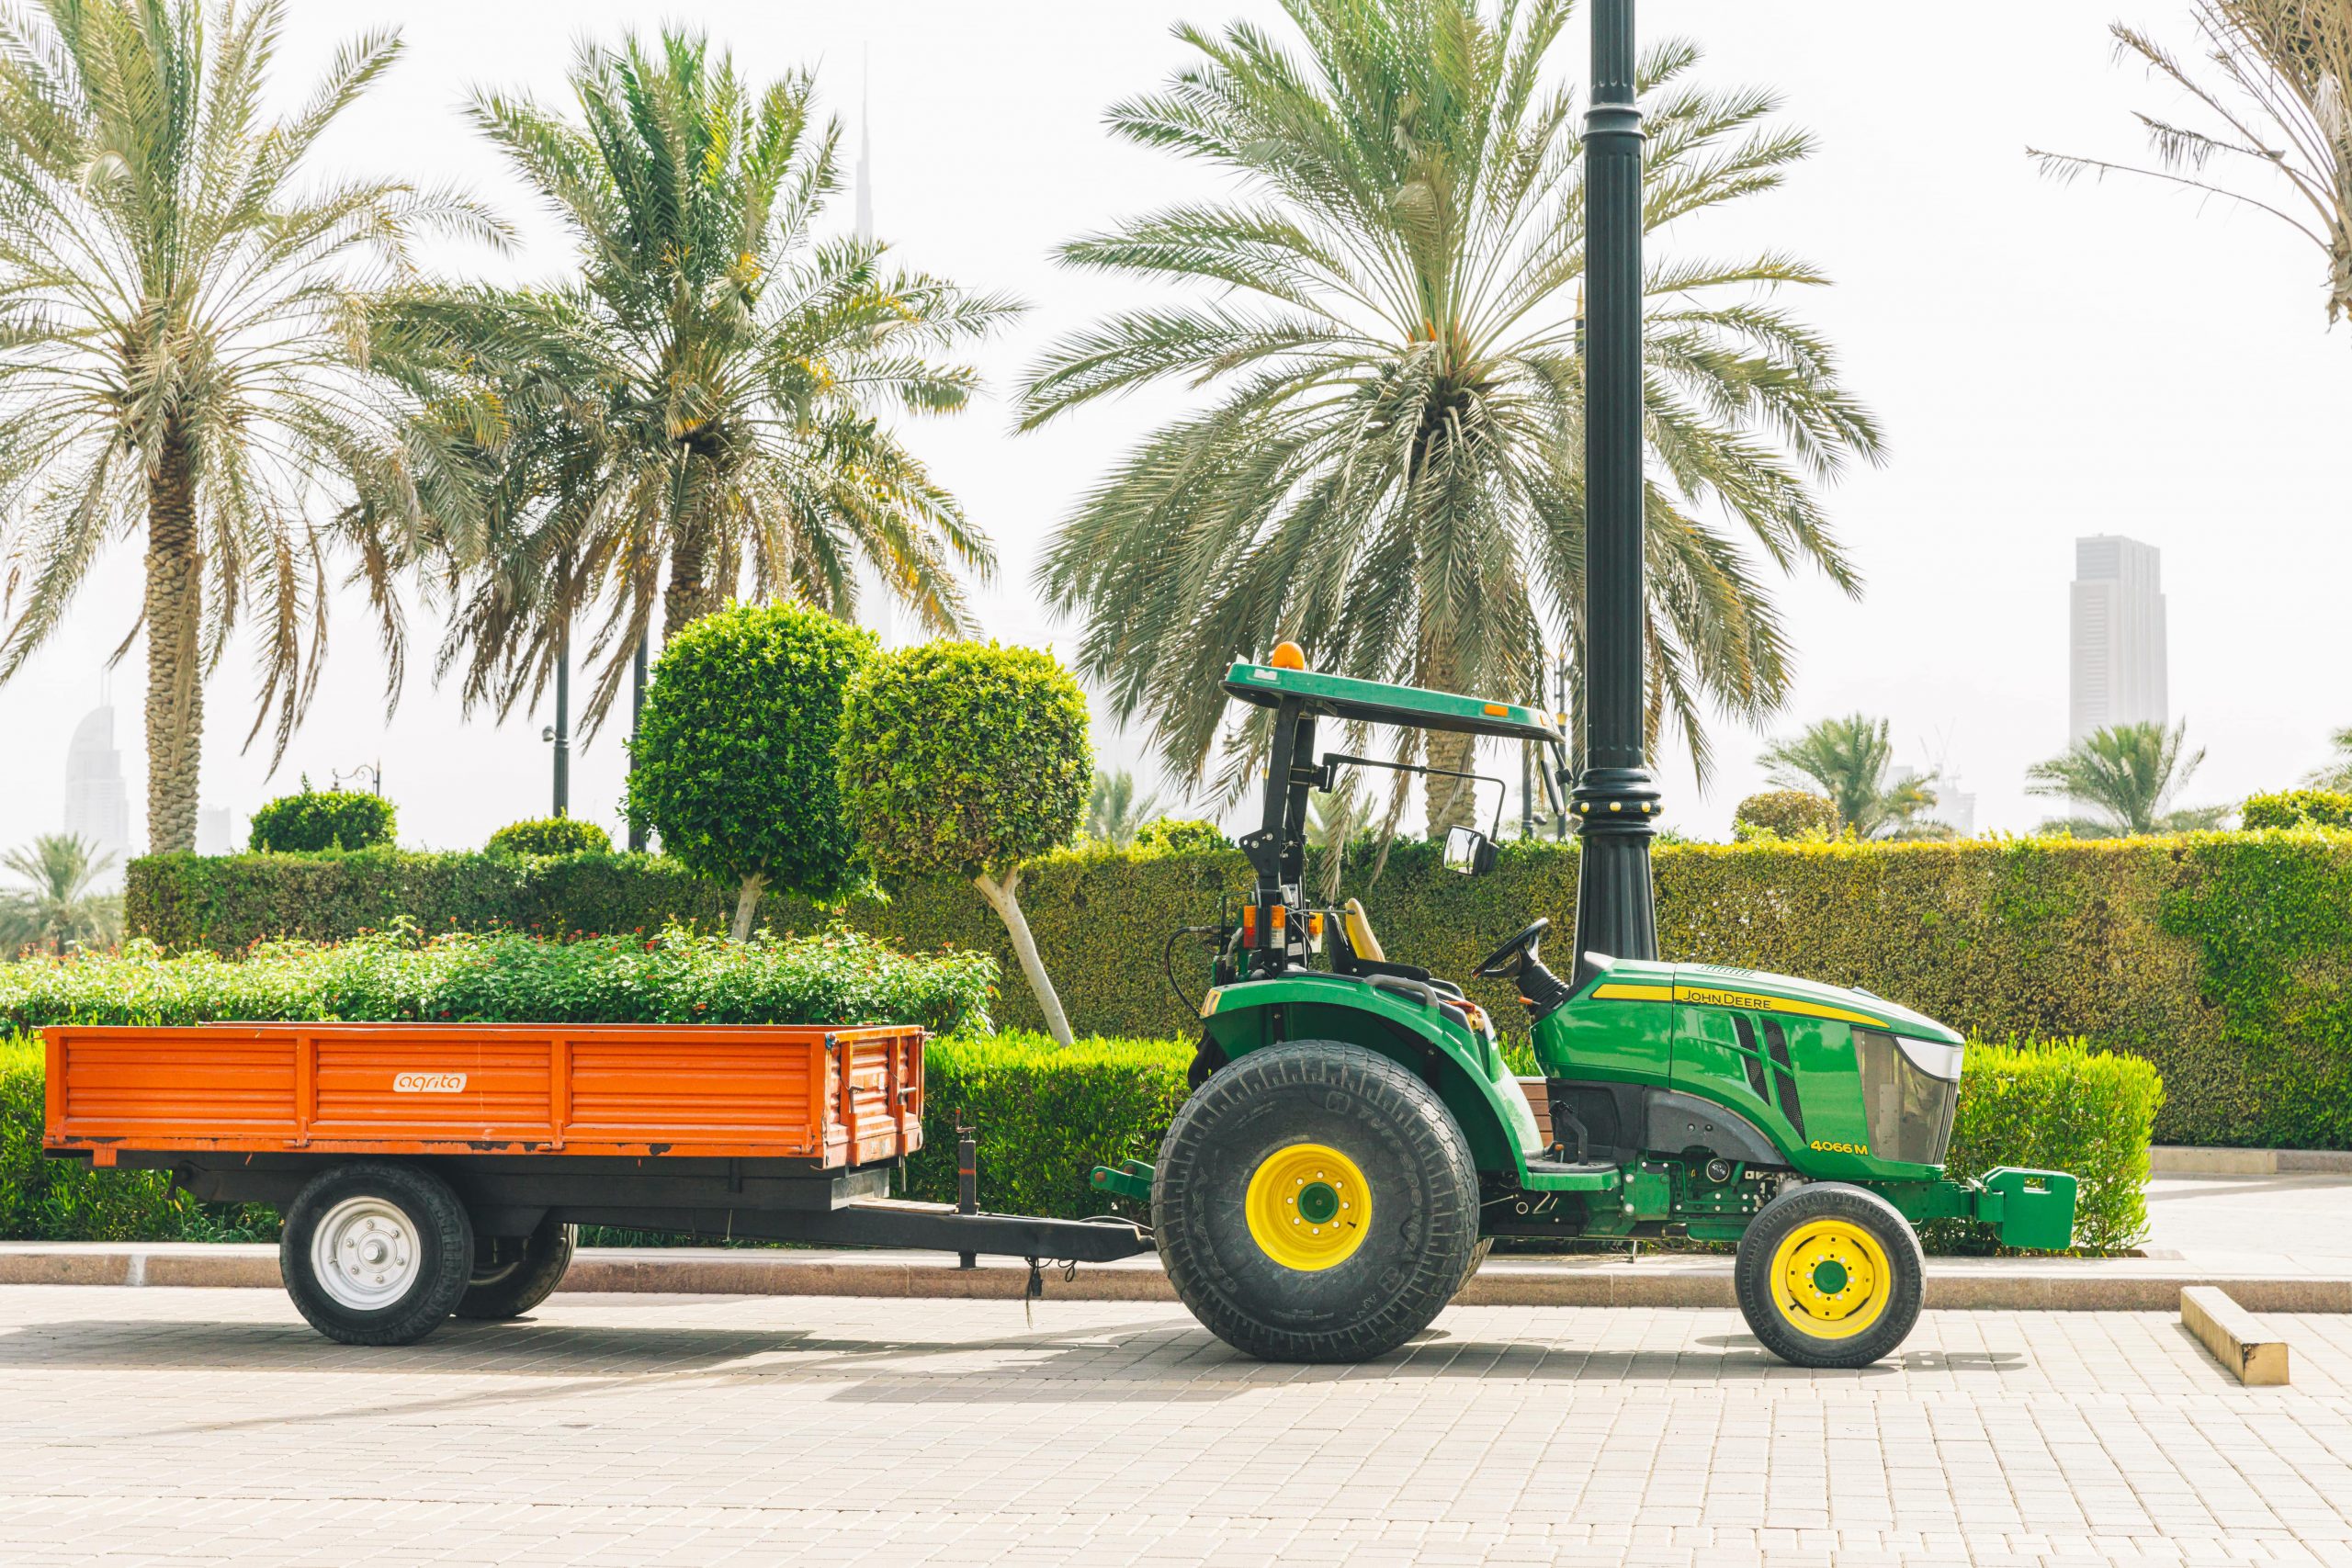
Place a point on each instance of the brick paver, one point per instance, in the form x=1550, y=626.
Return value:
x=211, y=1426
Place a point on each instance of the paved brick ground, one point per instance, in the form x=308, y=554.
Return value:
x=210, y=1426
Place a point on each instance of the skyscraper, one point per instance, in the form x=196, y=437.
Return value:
x=872, y=598
x=2115, y=668
x=98, y=802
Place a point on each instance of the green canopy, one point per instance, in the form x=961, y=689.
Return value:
x=1371, y=702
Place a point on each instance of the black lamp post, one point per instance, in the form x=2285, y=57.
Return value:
x=1614, y=803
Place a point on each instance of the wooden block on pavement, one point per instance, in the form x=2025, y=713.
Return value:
x=2243, y=1346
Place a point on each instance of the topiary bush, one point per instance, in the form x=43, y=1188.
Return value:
x=2298, y=808
x=965, y=758
x=312, y=820
x=732, y=761
x=1784, y=814
x=550, y=836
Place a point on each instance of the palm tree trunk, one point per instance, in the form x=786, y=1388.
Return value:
x=689, y=596
x=1447, y=803
x=174, y=652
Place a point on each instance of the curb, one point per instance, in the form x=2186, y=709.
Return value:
x=1953, y=1285
x=2186, y=1159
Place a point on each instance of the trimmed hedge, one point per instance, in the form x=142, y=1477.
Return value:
x=2298, y=808
x=1046, y=1115
x=676, y=977
x=2224, y=958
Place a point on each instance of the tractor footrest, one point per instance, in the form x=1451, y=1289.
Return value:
x=1573, y=1176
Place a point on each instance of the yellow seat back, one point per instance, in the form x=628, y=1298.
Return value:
x=1360, y=937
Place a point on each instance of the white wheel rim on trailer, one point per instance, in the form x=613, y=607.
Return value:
x=366, y=1253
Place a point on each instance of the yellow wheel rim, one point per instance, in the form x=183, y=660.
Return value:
x=1831, y=1279
x=1308, y=1206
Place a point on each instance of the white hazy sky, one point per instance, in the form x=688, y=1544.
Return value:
x=2047, y=362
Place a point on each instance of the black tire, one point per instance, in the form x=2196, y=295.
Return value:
x=400, y=1217
x=1477, y=1262
x=514, y=1274
x=1808, y=1318
x=1367, y=1288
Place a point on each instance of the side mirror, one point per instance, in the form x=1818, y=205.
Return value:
x=1469, y=851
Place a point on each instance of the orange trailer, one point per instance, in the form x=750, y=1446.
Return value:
x=429, y=1168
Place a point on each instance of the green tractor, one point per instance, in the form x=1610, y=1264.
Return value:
x=1354, y=1141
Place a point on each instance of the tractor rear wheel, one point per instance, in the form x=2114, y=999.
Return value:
x=1829, y=1275
x=1315, y=1201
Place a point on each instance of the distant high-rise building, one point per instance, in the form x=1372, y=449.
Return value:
x=872, y=598
x=2115, y=667
x=216, y=830
x=98, y=802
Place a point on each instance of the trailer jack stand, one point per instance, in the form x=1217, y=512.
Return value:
x=968, y=1188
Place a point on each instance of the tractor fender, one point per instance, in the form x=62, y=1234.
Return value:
x=1419, y=1032
x=1677, y=1122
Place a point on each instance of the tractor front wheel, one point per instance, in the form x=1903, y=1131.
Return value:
x=1829, y=1275
x=1315, y=1201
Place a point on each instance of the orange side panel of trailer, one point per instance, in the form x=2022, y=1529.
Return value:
x=838, y=1096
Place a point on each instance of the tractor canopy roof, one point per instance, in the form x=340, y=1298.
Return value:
x=1371, y=702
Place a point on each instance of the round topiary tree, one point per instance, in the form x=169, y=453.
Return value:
x=733, y=762
x=968, y=759
x=1784, y=814
x=315, y=819
x=550, y=836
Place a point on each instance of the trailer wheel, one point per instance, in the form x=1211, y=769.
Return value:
x=375, y=1253
x=512, y=1274
x=1830, y=1276
x=1315, y=1201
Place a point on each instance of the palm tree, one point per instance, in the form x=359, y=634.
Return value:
x=707, y=397
x=2277, y=108
x=1850, y=761
x=2337, y=774
x=1389, y=465
x=2128, y=775
x=182, y=353
x=1114, y=813
x=59, y=906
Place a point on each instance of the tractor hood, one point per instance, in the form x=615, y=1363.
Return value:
x=1753, y=990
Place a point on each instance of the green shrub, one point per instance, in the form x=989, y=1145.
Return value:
x=677, y=977
x=322, y=820
x=733, y=760
x=966, y=759
x=2298, y=808
x=2062, y=1106
x=1180, y=836
x=550, y=836
x=1046, y=1116
x=1784, y=814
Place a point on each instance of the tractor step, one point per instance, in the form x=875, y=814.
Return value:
x=1573, y=1176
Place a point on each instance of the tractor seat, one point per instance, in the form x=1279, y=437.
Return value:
x=1357, y=950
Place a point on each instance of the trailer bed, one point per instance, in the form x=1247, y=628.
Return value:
x=835, y=1098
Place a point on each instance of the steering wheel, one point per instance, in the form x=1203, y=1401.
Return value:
x=1527, y=942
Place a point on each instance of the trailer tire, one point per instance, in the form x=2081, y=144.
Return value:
x=1308, y=1131
x=375, y=1253
x=524, y=1275
x=1830, y=1276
